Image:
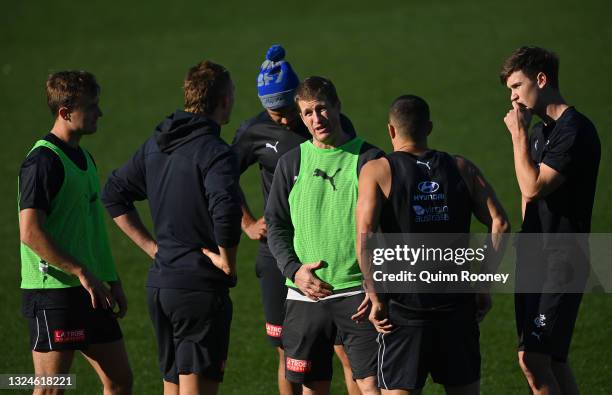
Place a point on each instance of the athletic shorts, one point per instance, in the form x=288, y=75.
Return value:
x=192, y=329
x=273, y=294
x=63, y=319
x=310, y=332
x=545, y=322
x=448, y=349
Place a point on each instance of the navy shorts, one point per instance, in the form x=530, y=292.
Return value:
x=447, y=348
x=192, y=329
x=63, y=319
x=310, y=332
x=545, y=323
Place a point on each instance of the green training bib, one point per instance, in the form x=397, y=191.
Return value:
x=322, y=204
x=76, y=224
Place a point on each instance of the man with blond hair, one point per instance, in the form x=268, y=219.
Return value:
x=311, y=233
x=190, y=178
x=68, y=276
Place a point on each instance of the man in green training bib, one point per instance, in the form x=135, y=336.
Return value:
x=65, y=252
x=311, y=232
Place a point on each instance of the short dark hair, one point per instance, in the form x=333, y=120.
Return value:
x=531, y=61
x=205, y=86
x=317, y=88
x=409, y=114
x=70, y=89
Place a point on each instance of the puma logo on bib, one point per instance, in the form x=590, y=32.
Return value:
x=324, y=176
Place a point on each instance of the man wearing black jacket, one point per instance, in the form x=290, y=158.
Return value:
x=190, y=177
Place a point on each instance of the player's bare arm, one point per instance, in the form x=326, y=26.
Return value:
x=487, y=208
x=32, y=234
x=254, y=228
x=535, y=182
x=374, y=186
x=489, y=211
x=131, y=224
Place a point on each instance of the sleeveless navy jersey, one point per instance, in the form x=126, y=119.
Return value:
x=428, y=195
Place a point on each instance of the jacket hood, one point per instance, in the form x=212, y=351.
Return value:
x=182, y=127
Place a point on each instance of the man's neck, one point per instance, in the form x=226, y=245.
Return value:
x=340, y=139
x=70, y=137
x=411, y=147
x=553, y=109
x=216, y=116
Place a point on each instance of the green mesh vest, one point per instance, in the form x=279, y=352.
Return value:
x=76, y=224
x=322, y=204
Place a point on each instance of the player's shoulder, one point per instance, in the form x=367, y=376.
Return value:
x=42, y=157
x=464, y=164
x=209, y=149
x=288, y=165
x=216, y=146
x=572, y=117
x=371, y=151
x=461, y=160
x=291, y=156
x=573, y=122
x=376, y=167
x=250, y=125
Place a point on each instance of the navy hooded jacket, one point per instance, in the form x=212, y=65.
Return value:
x=190, y=177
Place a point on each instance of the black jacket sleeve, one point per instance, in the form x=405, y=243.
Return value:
x=126, y=185
x=222, y=194
x=243, y=147
x=278, y=216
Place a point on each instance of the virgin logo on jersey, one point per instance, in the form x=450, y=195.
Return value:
x=430, y=214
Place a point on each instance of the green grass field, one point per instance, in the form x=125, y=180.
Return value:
x=447, y=51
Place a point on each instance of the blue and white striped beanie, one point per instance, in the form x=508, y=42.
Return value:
x=276, y=82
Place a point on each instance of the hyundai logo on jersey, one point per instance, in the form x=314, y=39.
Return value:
x=428, y=186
